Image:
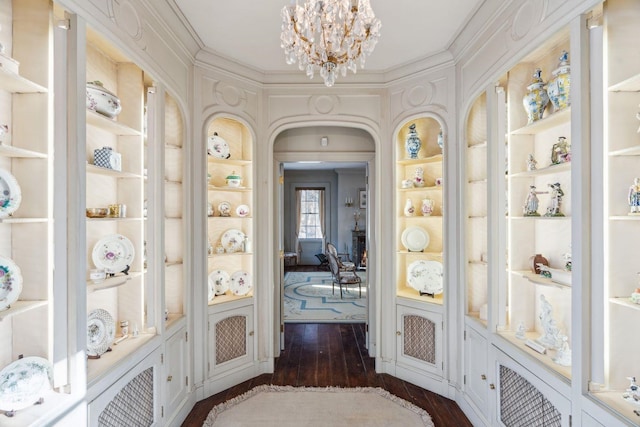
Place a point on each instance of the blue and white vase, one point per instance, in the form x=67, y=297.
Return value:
x=536, y=100
x=413, y=143
x=441, y=141
x=559, y=87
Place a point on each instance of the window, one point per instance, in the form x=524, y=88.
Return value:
x=311, y=205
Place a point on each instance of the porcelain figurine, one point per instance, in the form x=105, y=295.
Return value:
x=632, y=394
x=563, y=355
x=418, y=179
x=520, y=332
x=536, y=100
x=407, y=183
x=549, y=336
x=441, y=141
x=556, y=200
x=536, y=262
x=561, y=151
x=409, y=210
x=413, y=143
x=531, y=203
x=427, y=207
x=559, y=87
x=532, y=163
x=634, y=197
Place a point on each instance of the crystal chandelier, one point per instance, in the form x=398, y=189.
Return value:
x=329, y=35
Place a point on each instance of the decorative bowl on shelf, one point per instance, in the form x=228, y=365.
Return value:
x=233, y=180
x=96, y=212
x=102, y=101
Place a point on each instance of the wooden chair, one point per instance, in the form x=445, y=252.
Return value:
x=341, y=278
x=324, y=262
x=343, y=265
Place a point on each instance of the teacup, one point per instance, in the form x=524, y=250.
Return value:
x=97, y=275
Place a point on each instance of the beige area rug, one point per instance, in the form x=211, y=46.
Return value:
x=286, y=406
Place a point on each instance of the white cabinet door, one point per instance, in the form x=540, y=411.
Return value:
x=476, y=369
x=230, y=340
x=419, y=339
x=176, y=380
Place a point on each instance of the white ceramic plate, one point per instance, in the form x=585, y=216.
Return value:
x=425, y=276
x=10, y=194
x=242, y=210
x=415, y=239
x=23, y=382
x=240, y=283
x=211, y=292
x=221, y=281
x=101, y=331
x=224, y=208
x=10, y=282
x=232, y=240
x=113, y=253
x=218, y=147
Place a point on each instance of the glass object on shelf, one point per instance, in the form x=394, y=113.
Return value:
x=556, y=200
x=536, y=100
x=531, y=203
x=413, y=142
x=561, y=151
x=559, y=87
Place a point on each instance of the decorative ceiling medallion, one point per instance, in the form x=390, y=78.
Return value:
x=126, y=17
x=525, y=18
x=419, y=95
x=230, y=95
x=323, y=104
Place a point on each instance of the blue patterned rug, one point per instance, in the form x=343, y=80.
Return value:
x=308, y=298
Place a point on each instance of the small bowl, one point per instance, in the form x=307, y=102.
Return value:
x=96, y=212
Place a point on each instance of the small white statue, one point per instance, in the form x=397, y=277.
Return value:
x=549, y=338
x=563, y=356
x=556, y=200
x=633, y=392
x=520, y=332
x=531, y=163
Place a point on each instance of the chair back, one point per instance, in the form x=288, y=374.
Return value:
x=332, y=249
x=333, y=266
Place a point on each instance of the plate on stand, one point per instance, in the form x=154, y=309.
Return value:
x=218, y=147
x=101, y=331
x=220, y=280
x=23, y=382
x=240, y=283
x=415, y=239
x=232, y=240
x=10, y=282
x=113, y=253
x=242, y=211
x=425, y=276
x=10, y=194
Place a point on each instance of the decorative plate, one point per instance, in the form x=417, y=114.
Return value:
x=218, y=147
x=425, y=276
x=220, y=280
x=240, y=283
x=10, y=282
x=101, y=331
x=23, y=382
x=224, y=208
x=211, y=292
x=242, y=210
x=415, y=239
x=113, y=253
x=232, y=240
x=10, y=194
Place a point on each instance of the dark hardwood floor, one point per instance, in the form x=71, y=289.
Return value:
x=318, y=355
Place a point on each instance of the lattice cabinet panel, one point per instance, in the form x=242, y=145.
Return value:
x=419, y=342
x=230, y=339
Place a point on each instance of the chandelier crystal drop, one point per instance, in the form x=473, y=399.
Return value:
x=329, y=36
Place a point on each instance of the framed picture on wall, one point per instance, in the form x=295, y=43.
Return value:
x=363, y=198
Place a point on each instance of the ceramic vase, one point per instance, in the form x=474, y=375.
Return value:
x=536, y=100
x=559, y=87
x=418, y=179
x=409, y=210
x=538, y=259
x=413, y=142
x=427, y=207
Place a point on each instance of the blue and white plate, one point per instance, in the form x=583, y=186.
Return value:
x=23, y=382
x=10, y=282
x=10, y=194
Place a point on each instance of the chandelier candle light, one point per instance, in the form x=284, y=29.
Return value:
x=329, y=35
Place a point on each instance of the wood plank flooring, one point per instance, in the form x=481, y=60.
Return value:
x=331, y=354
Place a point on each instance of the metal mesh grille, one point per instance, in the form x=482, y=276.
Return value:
x=521, y=404
x=231, y=340
x=133, y=405
x=420, y=338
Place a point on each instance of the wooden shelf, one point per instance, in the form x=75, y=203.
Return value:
x=96, y=368
x=229, y=254
x=172, y=320
x=629, y=151
x=110, y=172
x=232, y=162
x=229, y=217
x=632, y=84
x=412, y=294
x=172, y=147
x=15, y=220
x=476, y=262
x=625, y=302
x=416, y=189
x=108, y=218
x=173, y=263
x=433, y=159
x=549, y=170
x=109, y=125
x=111, y=282
x=614, y=401
x=230, y=189
x=477, y=181
x=625, y=217
x=541, y=217
x=11, y=151
x=475, y=316
x=430, y=254
x=16, y=84
x=168, y=181
x=545, y=359
x=19, y=307
x=483, y=144
x=221, y=299
x=546, y=123
x=540, y=280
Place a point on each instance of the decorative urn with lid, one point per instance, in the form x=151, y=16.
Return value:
x=536, y=100
x=102, y=101
x=413, y=142
x=233, y=180
x=559, y=87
